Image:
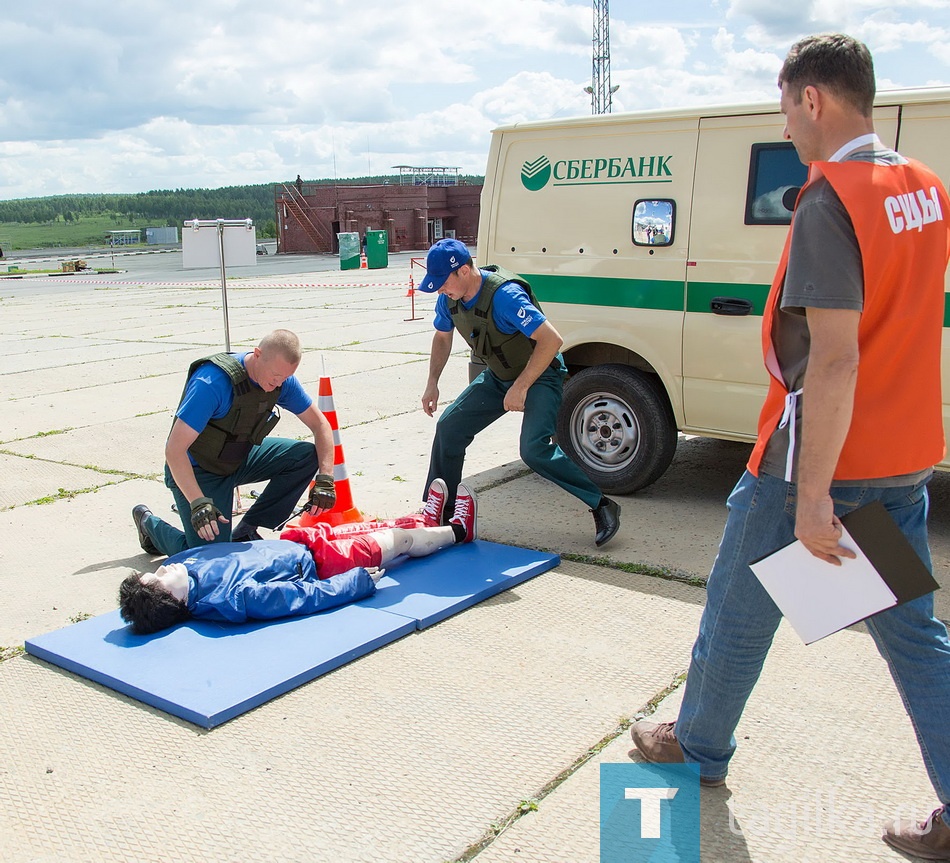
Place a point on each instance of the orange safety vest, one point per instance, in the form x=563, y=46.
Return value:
x=901, y=218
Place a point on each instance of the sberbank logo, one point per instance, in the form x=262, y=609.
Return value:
x=611, y=170
x=535, y=175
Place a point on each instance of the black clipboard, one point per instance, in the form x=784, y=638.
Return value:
x=889, y=551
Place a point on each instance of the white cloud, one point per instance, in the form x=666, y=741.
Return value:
x=233, y=91
x=650, y=46
x=530, y=96
x=883, y=33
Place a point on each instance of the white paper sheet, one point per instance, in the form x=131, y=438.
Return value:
x=819, y=598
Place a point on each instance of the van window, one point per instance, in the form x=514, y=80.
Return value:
x=775, y=175
x=653, y=222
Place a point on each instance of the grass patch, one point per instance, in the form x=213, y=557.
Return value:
x=663, y=572
x=9, y=652
x=12, y=274
x=86, y=231
x=61, y=494
x=49, y=433
x=108, y=471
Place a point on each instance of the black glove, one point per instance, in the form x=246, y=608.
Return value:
x=323, y=492
x=203, y=513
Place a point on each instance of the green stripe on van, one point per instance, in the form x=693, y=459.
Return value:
x=657, y=294
x=660, y=294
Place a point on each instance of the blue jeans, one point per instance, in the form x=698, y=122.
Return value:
x=483, y=402
x=288, y=465
x=740, y=619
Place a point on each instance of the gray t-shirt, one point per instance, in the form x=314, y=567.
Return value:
x=825, y=271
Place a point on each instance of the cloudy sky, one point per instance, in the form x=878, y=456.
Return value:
x=128, y=97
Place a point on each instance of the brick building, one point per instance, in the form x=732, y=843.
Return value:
x=428, y=204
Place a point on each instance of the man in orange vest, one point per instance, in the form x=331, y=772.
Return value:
x=852, y=343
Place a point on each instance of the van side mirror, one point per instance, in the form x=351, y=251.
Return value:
x=653, y=222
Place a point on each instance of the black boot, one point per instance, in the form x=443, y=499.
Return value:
x=606, y=520
x=139, y=513
x=245, y=532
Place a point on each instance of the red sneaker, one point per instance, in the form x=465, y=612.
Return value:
x=466, y=511
x=435, y=503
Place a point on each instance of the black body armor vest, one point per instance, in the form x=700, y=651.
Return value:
x=506, y=354
x=224, y=444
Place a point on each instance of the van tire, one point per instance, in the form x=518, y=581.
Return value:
x=617, y=424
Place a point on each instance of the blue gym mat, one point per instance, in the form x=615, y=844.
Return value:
x=430, y=589
x=208, y=673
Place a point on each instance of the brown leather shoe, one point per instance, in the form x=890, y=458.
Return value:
x=658, y=744
x=929, y=840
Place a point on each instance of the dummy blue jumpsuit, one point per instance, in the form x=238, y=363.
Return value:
x=238, y=581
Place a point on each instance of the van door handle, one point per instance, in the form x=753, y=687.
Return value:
x=730, y=306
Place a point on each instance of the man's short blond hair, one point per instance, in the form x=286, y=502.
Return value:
x=284, y=344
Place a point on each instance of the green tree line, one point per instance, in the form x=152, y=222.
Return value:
x=166, y=206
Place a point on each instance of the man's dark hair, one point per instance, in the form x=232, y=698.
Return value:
x=839, y=63
x=148, y=607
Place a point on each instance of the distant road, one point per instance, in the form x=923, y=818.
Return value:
x=164, y=264
x=40, y=256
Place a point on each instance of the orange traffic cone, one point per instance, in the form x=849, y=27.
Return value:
x=362, y=262
x=343, y=512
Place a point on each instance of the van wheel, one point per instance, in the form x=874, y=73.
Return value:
x=617, y=424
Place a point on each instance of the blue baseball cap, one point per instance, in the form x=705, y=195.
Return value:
x=444, y=258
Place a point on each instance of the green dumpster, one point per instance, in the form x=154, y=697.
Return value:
x=349, y=250
x=377, y=250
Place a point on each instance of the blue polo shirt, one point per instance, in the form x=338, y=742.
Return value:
x=210, y=394
x=511, y=310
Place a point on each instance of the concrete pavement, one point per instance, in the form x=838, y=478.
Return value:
x=476, y=739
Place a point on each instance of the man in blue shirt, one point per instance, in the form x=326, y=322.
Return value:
x=219, y=440
x=500, y=319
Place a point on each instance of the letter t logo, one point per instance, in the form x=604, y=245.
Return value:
x=649, y=807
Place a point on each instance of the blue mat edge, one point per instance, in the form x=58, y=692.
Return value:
x=118, y=686
x=210, y=720
x=531, y=571
x=292, y=683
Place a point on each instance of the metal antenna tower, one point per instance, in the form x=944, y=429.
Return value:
x=601, y=93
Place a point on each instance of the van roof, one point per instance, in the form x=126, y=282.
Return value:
x=883, y=97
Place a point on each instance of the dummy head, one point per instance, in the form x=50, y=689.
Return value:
x=152, y=601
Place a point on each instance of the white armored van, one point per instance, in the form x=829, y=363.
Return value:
x=651, y=240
